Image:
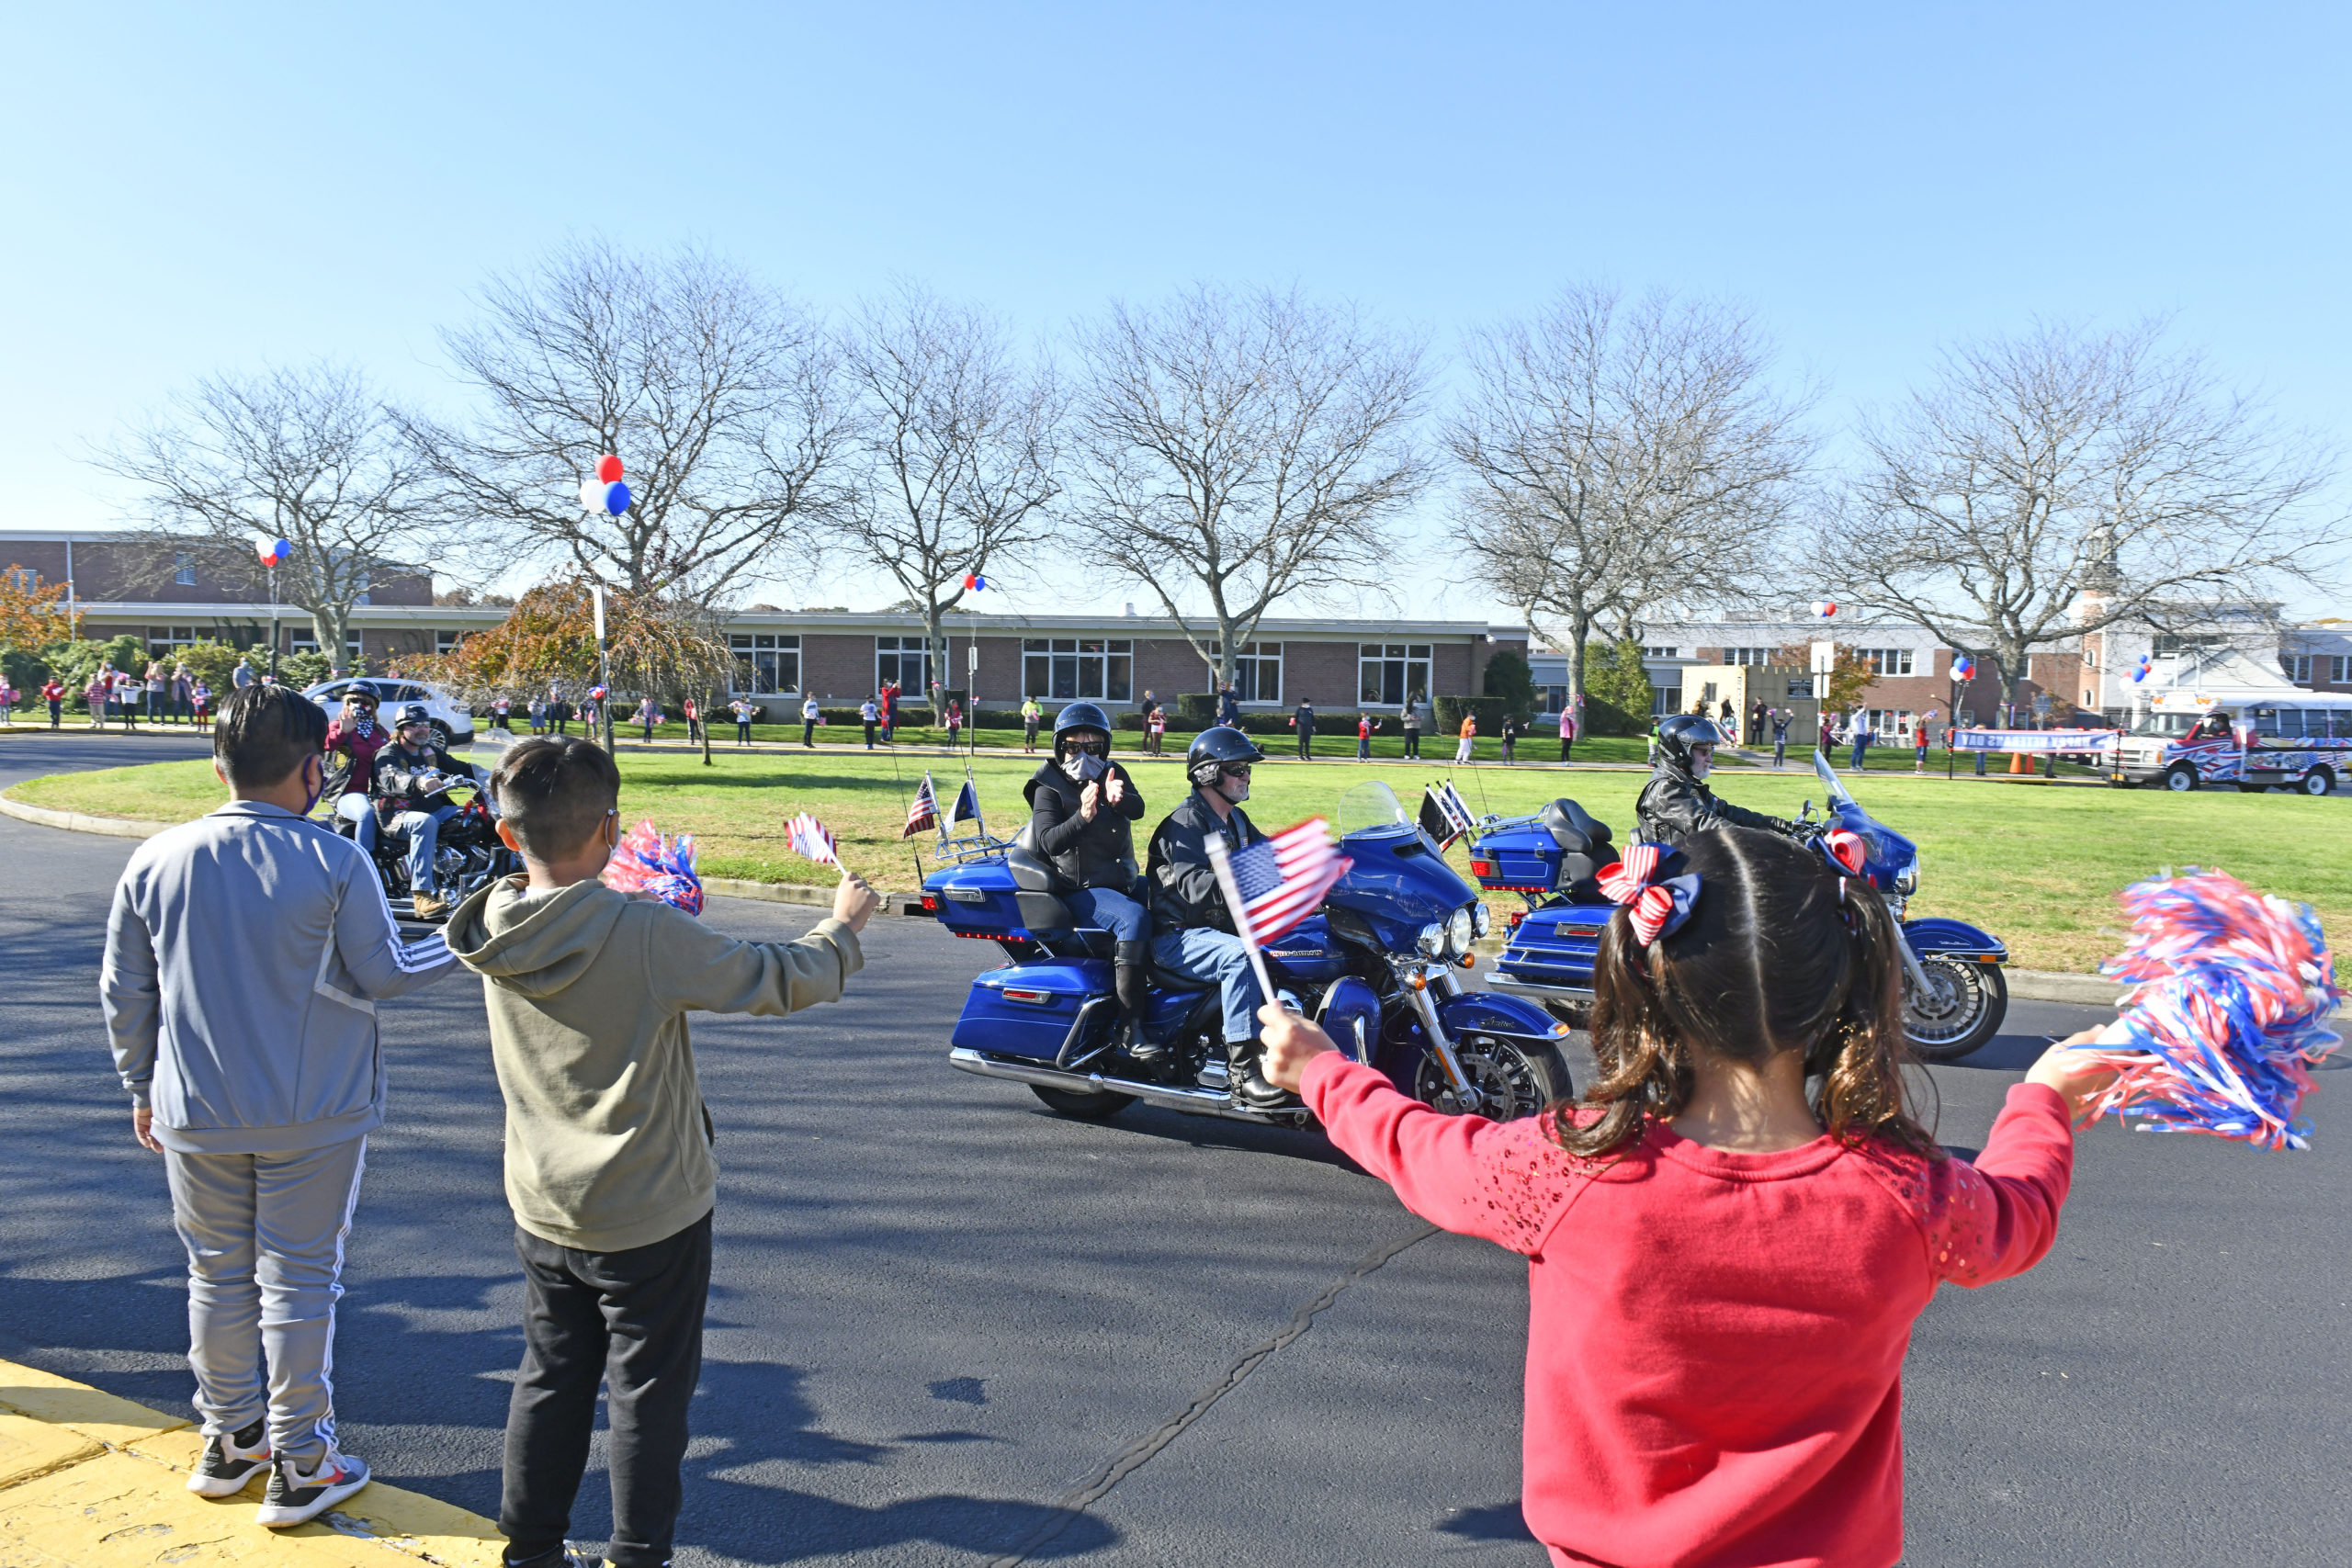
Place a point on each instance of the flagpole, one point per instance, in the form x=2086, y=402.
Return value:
x=1220, y=863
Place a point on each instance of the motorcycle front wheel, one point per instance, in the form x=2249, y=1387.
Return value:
x=1508, y=1078
x=1968, y=1003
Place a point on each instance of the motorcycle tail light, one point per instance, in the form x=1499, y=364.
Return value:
x=1482, y=868
x=930, y=903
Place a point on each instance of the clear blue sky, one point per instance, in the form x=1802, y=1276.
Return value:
x=190, y=188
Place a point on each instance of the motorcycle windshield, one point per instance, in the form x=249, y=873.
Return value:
x=1838, y=794
x=1886, y=851
x=1372, y=805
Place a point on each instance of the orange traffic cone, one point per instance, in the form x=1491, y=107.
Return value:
x=2017, y=764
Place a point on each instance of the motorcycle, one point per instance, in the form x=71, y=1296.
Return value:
x=1378, y=967
x=1954, y=995
x=468, y=853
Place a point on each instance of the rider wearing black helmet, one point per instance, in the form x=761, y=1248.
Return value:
x=1193, y=929
x=411, y=774
x=1082, y=806
x=1677, y=803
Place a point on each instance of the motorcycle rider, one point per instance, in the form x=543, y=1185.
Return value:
x=1082, y=807
x=410, y=773
x=1677, y=803
x=1193, y=929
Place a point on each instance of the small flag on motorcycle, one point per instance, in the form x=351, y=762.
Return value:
x=925, y=813
x=1444, y=816
x=967, y=803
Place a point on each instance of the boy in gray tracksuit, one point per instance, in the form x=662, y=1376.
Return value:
x=244, y=956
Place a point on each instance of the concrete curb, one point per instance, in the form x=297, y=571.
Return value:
x=2054, y=985
x=76, y=822
x=89, y=1479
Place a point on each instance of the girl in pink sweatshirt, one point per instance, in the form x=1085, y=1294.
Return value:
x=1722, y=1270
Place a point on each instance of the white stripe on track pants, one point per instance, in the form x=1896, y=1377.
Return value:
x=265, y=1237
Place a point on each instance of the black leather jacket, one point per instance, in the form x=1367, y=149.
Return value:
x=1100, y=853
x=1183, y=890
x=399, y=774
x=1673, y=806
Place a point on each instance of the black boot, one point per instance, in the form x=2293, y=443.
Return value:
x=1245, y=1083
x=1131, y=975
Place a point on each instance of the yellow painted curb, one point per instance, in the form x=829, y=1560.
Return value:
x=91, y=1481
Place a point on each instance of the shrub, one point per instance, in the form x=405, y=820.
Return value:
x=1508, y=678
x=298, y=670
x=1617, y=693
x=1193, y=710
x=214, y=663
x=24, y=671
x=1489, y=711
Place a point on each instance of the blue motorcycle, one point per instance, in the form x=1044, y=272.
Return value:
x=1954, y=995
x=1379, y=967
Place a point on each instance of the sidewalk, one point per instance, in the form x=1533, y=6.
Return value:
x=91, y=1481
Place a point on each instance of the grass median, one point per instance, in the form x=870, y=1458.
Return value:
x=2038, y=866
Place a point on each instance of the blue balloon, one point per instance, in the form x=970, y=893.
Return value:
x=616, y=498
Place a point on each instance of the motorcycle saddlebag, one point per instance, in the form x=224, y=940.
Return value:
x=1026, y=1010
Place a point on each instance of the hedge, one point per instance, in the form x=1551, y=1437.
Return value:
x=1489, y=711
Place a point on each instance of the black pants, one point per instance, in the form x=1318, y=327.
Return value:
x=1566, y=744
x=1305, y=743
x=1412, y=743
x=636, y=1317
x=56, y=713
x=743, y=732
x=808, y=732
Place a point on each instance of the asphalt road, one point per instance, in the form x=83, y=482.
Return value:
x=942, y=1318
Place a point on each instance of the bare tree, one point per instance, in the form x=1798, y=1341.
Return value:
x=717, y=393
x=1248, y=447
x=2053, y=483
x=953, y=450
x=308, y=455
x=1621, y=458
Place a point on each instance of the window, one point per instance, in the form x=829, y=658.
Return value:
x=1885, y=723
x=2267, y=721
x=1886, y=661
x=1551, y=699
x=23, y=578
x=766, y=664
x=1256, y=672
x=161, y=640
x=905, y=660
x=308, y=642
x=447, y=642
x=2339, y=670
x=2339, y=724
x=183, y=567
x=1665, y=700
x=2169, y=645
x=1801, y=685
x=1747, y=656
x=2297, y=667
x=1661, y=653
x=1389, y=673
x=1067, y=668
x=1707, y=693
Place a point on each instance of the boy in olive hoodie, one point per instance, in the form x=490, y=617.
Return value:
x=609, y=1164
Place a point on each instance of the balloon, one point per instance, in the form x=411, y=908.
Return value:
x=273, y=552
x=1825, y=608
x=975, y=581
x=598, y=693
x=609, y=467
x=615, y=498
x=591, y=495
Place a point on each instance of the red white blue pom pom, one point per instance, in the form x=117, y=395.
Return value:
x=2231, y=995
x=648, y=863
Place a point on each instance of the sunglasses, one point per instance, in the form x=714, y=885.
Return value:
x=1237, y=771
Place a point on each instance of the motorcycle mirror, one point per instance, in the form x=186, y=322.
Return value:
x=1807, y=816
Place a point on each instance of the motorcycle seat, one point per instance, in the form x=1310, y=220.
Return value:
x=1572, y=827
x=1169, y=980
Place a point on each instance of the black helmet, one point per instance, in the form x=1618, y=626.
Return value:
x=412, y=714
x=1079, y=715
x=1217, y=748
x=1675, y=736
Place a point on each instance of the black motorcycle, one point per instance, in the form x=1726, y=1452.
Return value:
x=466, y=856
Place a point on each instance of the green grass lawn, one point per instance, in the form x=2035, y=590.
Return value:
x=2036, y=865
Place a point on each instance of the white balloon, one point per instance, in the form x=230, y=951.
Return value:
x=592, y=494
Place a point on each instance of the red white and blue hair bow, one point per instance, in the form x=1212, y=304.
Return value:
x=1658, y=906
x=1845, y=850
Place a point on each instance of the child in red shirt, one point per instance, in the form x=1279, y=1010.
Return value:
x=1723, y=1274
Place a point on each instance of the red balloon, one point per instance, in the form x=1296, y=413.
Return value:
x=609, y=467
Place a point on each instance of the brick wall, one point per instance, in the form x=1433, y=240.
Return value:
x=838, y=667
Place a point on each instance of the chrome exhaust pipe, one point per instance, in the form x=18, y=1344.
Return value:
x=1195, y=1101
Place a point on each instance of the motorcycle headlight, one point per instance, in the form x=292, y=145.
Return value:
x=1459, y=931
x=1907, y=881
x=1480, y=921
x=1433, y=940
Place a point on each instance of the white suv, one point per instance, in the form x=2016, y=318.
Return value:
x=453, y=722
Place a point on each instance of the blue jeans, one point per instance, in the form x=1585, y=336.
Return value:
x=1219, y=959
x=423, y=830
x=1860, y=746
x=1111, y=910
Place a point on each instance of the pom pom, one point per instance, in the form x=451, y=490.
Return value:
x=648, y=863
x=2232, y=994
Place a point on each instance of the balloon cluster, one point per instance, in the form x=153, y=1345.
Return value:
x=1963, y=668
x=648, y=863
x=2141, y=670
x=2231, y=993
x=598, y=693
x=975, y=581
x=605, y=492
x=273, y=552
x=1824, y=608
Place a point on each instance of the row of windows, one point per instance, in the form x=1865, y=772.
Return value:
x=2304, y=724
x=2299, y=666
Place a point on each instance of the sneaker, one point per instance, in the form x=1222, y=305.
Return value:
x=297, y=1496
x=229, y=1461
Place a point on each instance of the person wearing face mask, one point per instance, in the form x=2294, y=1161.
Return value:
x=1082, y=810
x=1193, y=929
x=411, y=775
x=1677, y=803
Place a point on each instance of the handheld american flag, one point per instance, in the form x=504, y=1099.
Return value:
x=924, y=812
x=806, y=836
x=1272, y=885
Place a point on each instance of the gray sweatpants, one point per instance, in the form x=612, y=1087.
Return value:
x=264, y=1269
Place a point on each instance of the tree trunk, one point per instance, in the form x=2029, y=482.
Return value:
x=935, y=656
x=706, y=710
x=329, y=623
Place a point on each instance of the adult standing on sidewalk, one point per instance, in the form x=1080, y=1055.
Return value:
x=1032, y=716
x=744, y=710
x=242, y=675
x=1469, y=738
x=649, y=713
x=1567, y=735
x=1411, y=724
x=1859, y=733
x=693, y=711
x=1303, y=720
x=810, y=717
x=869, y=714
x=183, y=693
x=244, y=956
x=1229, y=707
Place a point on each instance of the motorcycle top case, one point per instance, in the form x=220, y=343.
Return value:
x=982, y=900
x=1026, y=1010
x=1517, y=860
